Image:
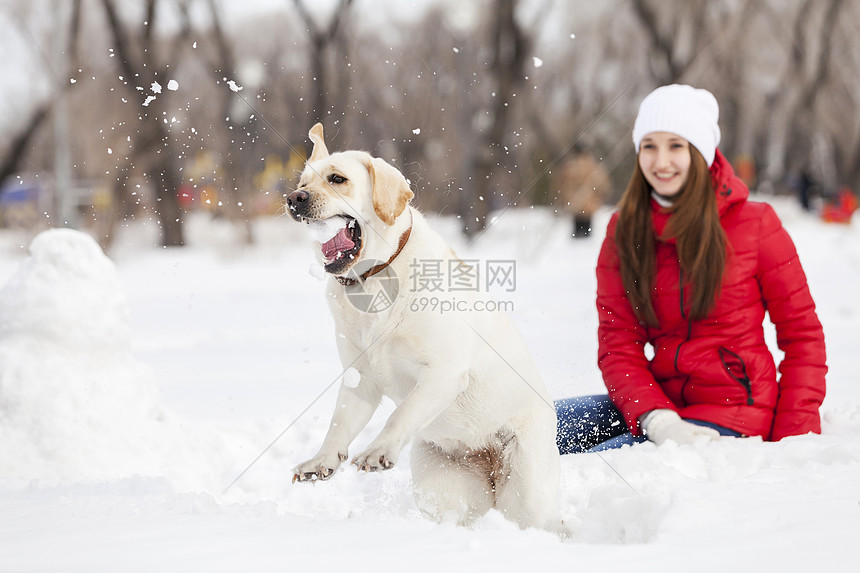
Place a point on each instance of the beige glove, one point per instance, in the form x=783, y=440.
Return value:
x=661, y=425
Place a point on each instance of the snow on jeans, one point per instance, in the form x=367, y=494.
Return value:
x=593, y=424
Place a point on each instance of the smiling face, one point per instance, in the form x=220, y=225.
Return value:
x=664, y=159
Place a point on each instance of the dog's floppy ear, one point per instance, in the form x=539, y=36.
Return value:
x=320, y=150
x=391, y=191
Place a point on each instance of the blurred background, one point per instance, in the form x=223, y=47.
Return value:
x=114, y=111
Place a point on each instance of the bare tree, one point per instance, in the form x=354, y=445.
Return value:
x=437, y=97
x=236, y=177
x=808, y=70
x=20, y=144
x=322, y=40
x=508, y=46
x=17, y=149
x=839, y=118
x=667, y=65
x=138, y=54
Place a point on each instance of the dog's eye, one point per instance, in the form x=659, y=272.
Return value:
x=336, y=179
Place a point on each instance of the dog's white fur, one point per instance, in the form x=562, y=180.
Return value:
x=466, y=389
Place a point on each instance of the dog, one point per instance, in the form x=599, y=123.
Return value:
x=467, y=392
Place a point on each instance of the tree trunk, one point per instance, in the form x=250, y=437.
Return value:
x=17, y=150
x=489, y=156
x=167, y=179
x=153, y=141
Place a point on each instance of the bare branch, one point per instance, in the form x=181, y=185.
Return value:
x=120, y=40
x=648, y=18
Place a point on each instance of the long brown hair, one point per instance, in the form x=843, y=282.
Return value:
x=695, y=226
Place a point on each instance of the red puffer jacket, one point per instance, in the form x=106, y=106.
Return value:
x=718, y=369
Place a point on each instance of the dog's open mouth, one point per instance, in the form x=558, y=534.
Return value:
x=340, y=241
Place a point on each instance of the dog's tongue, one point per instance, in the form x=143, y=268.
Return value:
x=337, y=244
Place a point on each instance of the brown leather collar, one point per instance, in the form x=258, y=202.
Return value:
x=347, y=281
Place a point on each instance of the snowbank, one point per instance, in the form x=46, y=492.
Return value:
x=132, y=394
x=74, y=402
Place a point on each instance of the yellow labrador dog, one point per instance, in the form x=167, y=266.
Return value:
x=466, y=390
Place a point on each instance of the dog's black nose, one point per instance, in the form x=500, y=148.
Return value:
x=296, y=197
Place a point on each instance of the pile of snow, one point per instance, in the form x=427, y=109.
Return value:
x=74, y=402
x=324, y=230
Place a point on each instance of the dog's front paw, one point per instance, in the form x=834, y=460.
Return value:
x=374, y=460
x=318, y=468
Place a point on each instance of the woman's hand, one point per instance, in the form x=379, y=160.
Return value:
x=662, y=425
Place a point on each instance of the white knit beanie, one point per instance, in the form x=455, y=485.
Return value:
x=683, y=110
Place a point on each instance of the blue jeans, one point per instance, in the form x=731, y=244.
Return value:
x=594, y=424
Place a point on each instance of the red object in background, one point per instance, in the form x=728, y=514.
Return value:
x=841, y=209
x=185, y=194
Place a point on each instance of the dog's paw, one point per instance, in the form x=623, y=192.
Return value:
x=318, y=468
x=374, y=461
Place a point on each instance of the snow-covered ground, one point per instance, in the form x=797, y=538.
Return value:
x=135, y=390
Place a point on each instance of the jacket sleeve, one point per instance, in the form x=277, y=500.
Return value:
x=621, y=343
x=798, y=331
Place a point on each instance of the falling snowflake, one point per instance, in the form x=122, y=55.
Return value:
x=351, y=378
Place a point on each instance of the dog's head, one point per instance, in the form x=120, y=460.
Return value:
x=351, y=202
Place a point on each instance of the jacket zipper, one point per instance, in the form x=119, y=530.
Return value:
x=742, y=378
x=737, y=363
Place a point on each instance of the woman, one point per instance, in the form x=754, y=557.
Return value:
x=686, y=273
